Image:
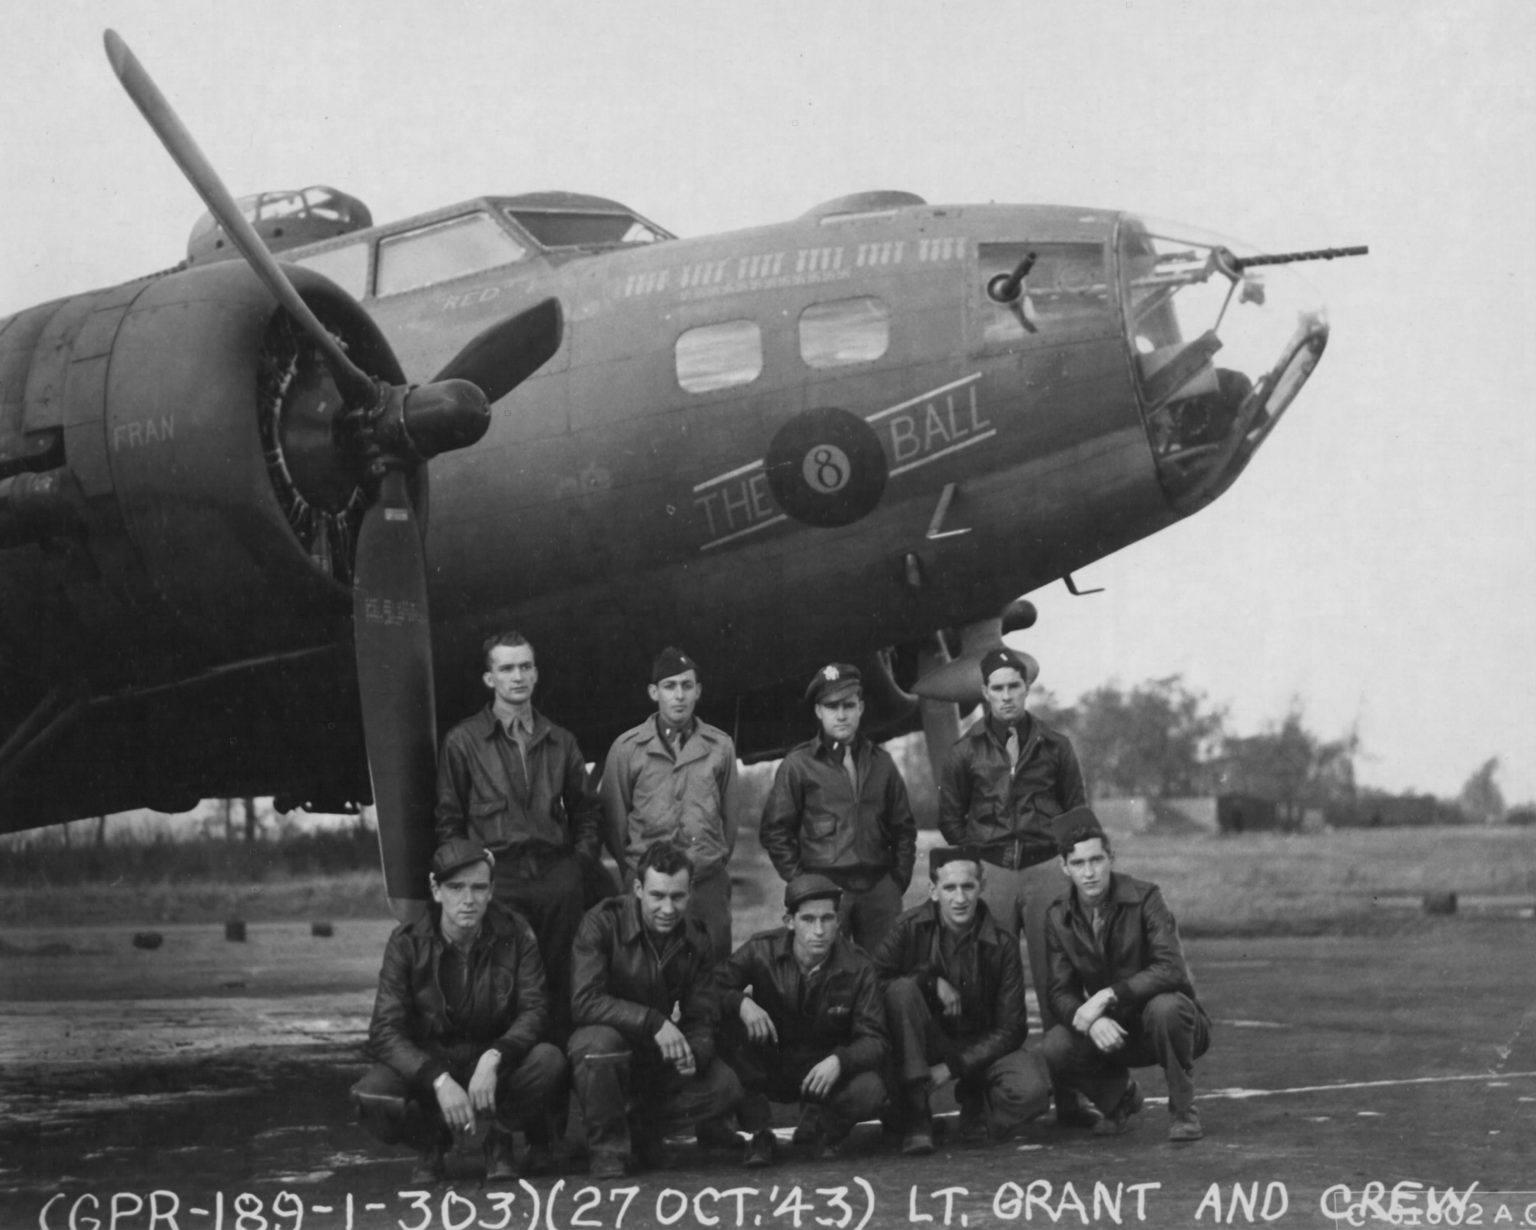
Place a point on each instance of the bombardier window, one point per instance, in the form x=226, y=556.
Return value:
x=844, y=331
x=446, y=250
x=719, y=356
x=346, y=266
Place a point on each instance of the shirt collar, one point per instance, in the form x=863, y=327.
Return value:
x=492, y=725
x=681, y=733
x=523, y=722
x=832, y=749
x=999, y=730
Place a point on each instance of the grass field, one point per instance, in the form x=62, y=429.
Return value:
x=1253, y=883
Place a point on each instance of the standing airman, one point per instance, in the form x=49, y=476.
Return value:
x=839, y=808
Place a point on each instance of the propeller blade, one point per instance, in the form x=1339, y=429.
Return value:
x=353, y=383
x=941, y=718
x=503, y=356
x=394, y=674
x=959, y=680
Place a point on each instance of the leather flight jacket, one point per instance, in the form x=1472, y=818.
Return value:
x=837, y=1010
x=1139, y=953
x=508, y=1007
x=993, y=1020
x=485, y=793
x=627, y=979
x=1008, y=811
x=813, y=821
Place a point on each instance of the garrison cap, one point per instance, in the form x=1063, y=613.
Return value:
x=458, y=852
x=999, y=659
x=808, y=886
x=1071, y=827
x=833, y=682
x=940, y=855
x=672, y=661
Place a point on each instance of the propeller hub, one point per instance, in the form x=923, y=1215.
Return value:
x=325, y=464
x=444, y=415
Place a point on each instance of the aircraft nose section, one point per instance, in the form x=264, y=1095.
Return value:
x=1222, y=339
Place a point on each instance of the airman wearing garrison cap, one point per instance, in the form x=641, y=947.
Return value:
x=812, y=1030
x=1119, y=987
x=1002, y=783
x=838, y=807
x=457, y=1026
x=673, y=778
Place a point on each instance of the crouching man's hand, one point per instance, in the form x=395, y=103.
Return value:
x=458, y=1111
x=1107, y=1034
x=482, y=1085
x=759, y=1024
x=820, y=1080
x=674, y=1048
x=1090, y=1012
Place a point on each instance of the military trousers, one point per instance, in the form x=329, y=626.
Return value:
x=1171, y=1031
x=546, y=889
x=1019, y=898
x=769, y=1075
x=624, y=1088
x=709, y=900
x=397, y=1113
x=1011, y=1089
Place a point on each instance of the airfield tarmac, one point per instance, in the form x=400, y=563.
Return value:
x=203, y=1084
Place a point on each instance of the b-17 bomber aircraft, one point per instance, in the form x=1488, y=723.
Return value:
x=236, y=539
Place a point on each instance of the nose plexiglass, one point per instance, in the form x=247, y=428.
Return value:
x=1219, y=349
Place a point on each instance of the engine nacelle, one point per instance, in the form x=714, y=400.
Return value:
x=177, y=402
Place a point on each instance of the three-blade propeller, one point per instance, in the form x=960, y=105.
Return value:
x=399, y=429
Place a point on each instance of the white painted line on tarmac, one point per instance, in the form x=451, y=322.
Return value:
x=1491, y=1078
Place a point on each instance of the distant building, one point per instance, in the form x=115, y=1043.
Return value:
x=1249, y=813
x=1395, y=811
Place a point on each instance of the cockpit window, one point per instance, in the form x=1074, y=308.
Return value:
x=445, y=250
x=346, y=266
x=844, y=331
x=582, y=228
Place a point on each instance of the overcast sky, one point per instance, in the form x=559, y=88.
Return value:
x=1378, y=559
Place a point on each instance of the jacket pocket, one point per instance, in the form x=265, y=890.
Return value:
x=819, y=825
x=486, y=819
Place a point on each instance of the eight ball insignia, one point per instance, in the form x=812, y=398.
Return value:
x=826, y=468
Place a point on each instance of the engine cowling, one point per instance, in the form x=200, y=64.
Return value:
x=219, y=502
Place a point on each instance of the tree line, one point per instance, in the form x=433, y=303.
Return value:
x=1161, y=739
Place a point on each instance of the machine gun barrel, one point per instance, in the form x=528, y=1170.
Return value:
x=1287, y=258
